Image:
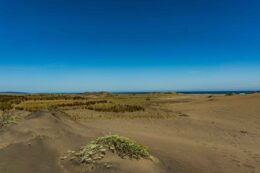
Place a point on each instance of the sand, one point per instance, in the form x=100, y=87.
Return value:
x=219, y=134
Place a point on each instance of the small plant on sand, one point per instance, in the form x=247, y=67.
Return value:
x=7, y=119
x=122, y=146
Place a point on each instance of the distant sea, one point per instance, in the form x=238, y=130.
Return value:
x=192, y=92
x=217, y=92
x=145, y=92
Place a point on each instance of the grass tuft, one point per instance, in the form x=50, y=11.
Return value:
x=122, y=146
x=6, y=120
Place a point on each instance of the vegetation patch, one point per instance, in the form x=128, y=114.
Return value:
x=81, y=103
x=97, y=149
x=7, y=101
x=115, y=108
x=54, y=97
x=7, y=119
x=35, y=105
x=230, y=94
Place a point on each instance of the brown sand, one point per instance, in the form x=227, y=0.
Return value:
x=219, y=134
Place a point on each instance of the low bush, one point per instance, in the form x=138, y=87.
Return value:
x=7, y=119
x=122, y=146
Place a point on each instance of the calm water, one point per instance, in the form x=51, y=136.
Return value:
x=194, y=92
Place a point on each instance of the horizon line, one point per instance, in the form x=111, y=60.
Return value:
x=137, y=91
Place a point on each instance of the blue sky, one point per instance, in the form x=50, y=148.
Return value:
x=137, y=45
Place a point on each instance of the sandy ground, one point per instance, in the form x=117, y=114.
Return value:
x=219, y=134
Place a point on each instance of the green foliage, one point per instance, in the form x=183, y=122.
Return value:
x=122, y=146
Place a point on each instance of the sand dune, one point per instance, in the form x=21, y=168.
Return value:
x=219, y=134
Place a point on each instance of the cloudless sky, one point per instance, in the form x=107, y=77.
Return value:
x=129, y=45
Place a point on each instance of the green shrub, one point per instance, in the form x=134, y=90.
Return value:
x=122, y=146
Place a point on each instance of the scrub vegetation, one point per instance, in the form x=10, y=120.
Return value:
x=89, y=105
x=97, y=149
x=115, y=108
x=7, y=119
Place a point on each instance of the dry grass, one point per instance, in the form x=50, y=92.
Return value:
x=7, y=101
x=79, y=114
x=36, y=105
x=92, y=105
x=110, y=107
x=6, y=119
x=32, y=105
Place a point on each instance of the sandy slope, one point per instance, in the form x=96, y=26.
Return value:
x=212, y=135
